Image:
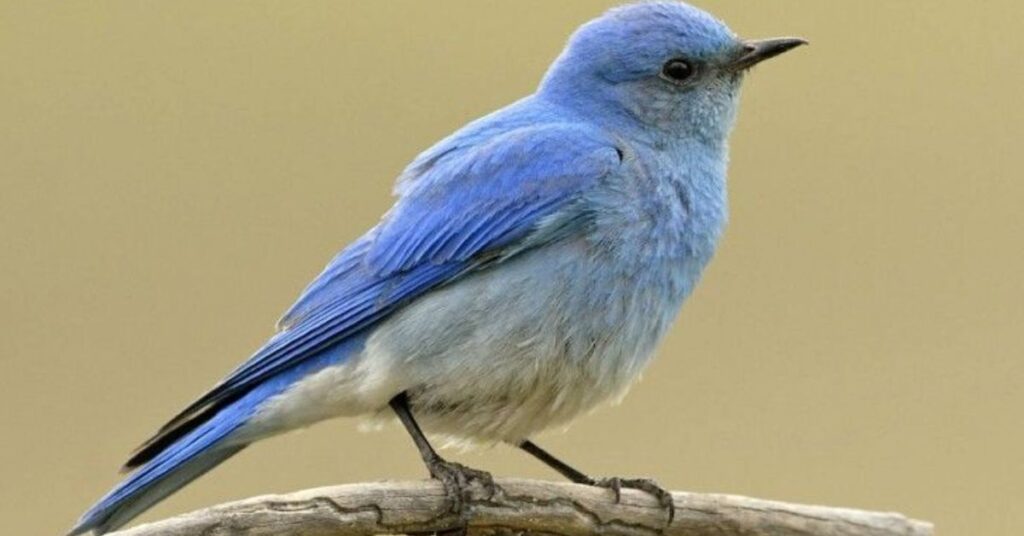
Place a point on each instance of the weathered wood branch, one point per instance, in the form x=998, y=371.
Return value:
x=521, y=507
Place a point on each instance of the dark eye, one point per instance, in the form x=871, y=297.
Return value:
x=677, y=70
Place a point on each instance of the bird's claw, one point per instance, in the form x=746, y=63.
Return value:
x=647, y=485
x=458, y=481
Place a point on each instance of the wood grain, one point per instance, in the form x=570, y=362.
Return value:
x=521, y=507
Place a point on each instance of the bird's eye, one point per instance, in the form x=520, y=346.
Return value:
x=677, y=70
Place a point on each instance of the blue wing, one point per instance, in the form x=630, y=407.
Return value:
x=462, y=205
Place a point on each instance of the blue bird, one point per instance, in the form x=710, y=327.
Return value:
x=528, y=268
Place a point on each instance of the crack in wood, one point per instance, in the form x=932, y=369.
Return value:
x=519, y=507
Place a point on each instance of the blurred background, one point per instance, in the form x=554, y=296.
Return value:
x=172, y=174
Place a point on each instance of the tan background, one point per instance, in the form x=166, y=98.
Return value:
x=174, y=173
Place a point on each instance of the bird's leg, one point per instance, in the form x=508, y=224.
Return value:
x=457, y=478
x=614, y=483
x=551, y=461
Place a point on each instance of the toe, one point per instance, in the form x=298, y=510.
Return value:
x=646, y=485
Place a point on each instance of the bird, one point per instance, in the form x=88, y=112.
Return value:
x=529, y=266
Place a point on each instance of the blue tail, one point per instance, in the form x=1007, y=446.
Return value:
x=144, y=489
x=196, y=452
x=178, y=465
x=184, y=461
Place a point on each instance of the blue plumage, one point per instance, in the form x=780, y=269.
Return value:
x=531, y=262
x=500, y=192
x=201, y=449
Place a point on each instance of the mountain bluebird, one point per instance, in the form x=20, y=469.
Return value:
x=528, y=268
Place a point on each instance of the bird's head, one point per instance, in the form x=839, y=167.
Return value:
x=662, y=66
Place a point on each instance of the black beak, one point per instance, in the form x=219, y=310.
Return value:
x=755, y=52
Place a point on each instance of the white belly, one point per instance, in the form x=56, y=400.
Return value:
x=499, y=356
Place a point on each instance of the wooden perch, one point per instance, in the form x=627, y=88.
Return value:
x=521, y=507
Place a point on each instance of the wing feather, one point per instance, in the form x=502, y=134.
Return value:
x=471, y=203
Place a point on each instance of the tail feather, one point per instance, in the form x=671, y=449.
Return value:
x=111, y=513
x=176, y=458
x=180, y=463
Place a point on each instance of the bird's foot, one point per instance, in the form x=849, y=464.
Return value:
x=647, y=485
x=459, y=481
